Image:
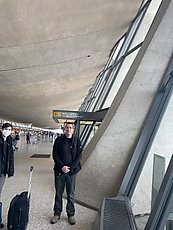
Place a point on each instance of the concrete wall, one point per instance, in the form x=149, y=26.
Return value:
x=162, y=146
x=114, y=142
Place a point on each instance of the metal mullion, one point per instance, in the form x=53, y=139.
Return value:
x=122, y=53
x=135, y=23
x=89, y=130
x=92, y=90
x=95, y=89
x=98, y=86
x=163, y=203
x=100, y=90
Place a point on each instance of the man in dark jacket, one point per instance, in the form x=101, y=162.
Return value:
x=67, y=153
x=6, y=158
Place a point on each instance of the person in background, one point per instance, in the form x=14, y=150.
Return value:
x=28, y=135
x=6, y=158
x=16, y=138
x=67, y=153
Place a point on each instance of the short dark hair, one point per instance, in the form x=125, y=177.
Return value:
x=70, y=123
x=6, y=125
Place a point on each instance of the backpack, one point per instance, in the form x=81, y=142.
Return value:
x=17, y=137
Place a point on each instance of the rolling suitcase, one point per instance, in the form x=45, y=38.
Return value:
x=18, y=213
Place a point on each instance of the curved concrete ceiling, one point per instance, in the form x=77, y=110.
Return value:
x=51, y=52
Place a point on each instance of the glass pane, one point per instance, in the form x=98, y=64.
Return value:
x=163, y=147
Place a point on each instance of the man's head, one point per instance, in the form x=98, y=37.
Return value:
x=69, y=129
x=6, y=129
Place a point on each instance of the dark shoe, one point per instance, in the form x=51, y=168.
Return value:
x=54, y=219
x=71, y=220
x=1, y=225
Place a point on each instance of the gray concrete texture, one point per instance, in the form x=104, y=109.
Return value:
x=51, y=52
x=104, y=169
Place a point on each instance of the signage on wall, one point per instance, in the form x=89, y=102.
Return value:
x=79, y=115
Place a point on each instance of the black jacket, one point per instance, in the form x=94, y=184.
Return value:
x=76, y=155
x=9, y=155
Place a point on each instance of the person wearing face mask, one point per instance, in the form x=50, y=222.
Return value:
x=6, y=158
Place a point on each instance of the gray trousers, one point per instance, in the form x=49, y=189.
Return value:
x=2, y=181
x=63, y=180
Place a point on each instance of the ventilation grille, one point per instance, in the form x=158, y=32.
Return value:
x=118, y=215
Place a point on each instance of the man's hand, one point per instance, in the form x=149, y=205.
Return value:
x=65, y=169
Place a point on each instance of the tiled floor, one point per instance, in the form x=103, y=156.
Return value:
x=42, y=191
